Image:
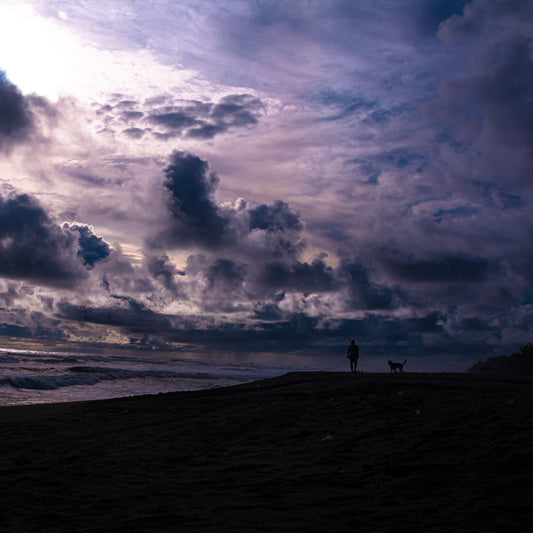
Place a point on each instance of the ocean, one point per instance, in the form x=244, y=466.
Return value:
x=31, y=377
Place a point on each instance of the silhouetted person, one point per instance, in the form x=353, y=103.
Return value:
x=353, y=355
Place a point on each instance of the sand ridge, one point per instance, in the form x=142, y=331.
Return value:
x=311, y=451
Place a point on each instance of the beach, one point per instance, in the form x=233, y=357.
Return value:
x=306, y=451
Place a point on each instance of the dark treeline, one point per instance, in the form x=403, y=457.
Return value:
x=517, y=363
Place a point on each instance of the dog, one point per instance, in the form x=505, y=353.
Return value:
x=396, y=367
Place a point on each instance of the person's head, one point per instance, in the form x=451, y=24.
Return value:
x=353, y=342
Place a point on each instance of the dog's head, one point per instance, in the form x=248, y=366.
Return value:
x=389, y=362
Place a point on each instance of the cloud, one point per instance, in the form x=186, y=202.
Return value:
x=205, y=120
x=192, y=189
x=314, y=277
x=126, y=313
x=166, y=117
x=134, y=133
x=16, y=120
x=33, y=247
x=274, y=332
x=429, y=16
x=276, y=217
x=165, y=272
x=92, y=248
x=488, y=100
x=250, y=251
x=196, y=219
x=246, y=251
x=427, y=233
x=173, y=121
x=220, y=284
x=364, y=293
x=225, y=275
x=39, y=332
x=448, y=269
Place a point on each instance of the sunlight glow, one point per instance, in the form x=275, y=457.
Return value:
x=37, y=54
x=43, y=56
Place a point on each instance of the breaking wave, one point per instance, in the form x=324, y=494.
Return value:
x=87, y=375
x=30, y=377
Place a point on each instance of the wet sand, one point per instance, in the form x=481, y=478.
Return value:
x=302, y=452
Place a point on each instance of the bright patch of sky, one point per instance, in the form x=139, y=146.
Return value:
x=46, y=55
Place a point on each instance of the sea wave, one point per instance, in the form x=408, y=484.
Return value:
x=8, y=358
x=89, y=375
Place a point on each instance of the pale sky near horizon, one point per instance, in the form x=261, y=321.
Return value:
x=269, y=176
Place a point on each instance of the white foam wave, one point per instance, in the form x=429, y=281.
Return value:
x=87, y=375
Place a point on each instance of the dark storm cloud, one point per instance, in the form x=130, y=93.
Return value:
x=33, y=247
x=364, y=293
x=276, y=217
x=476, y=324
x=39, y=332
x=262, y=233
x=16, y=120
x=192, y=187
x=448, y=269
x=196, y=217
x=205, y=131
x=268, y=311
x=165, y=272
x=297, y=16
x=217, y=284
x=92, y=248
x=175, y=121
x=297, y=332
x=294, y=332
x=488, y=101
x=237, y=110
x=313, y=277
x=9, y=295
x=128, y=313
x=496, y=101
x=275, y=230
x=205, y=120
x=167, y=118
x=431, y=323
x=247, y=251
x=226, y=275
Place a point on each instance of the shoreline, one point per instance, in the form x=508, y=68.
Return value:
x=305, y=451
x=512, y=378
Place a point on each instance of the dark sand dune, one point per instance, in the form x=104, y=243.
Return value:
x=302, y=452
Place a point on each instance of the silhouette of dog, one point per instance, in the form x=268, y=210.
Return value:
x=396, y=367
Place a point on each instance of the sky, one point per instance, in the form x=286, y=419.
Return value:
x=269, y=177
